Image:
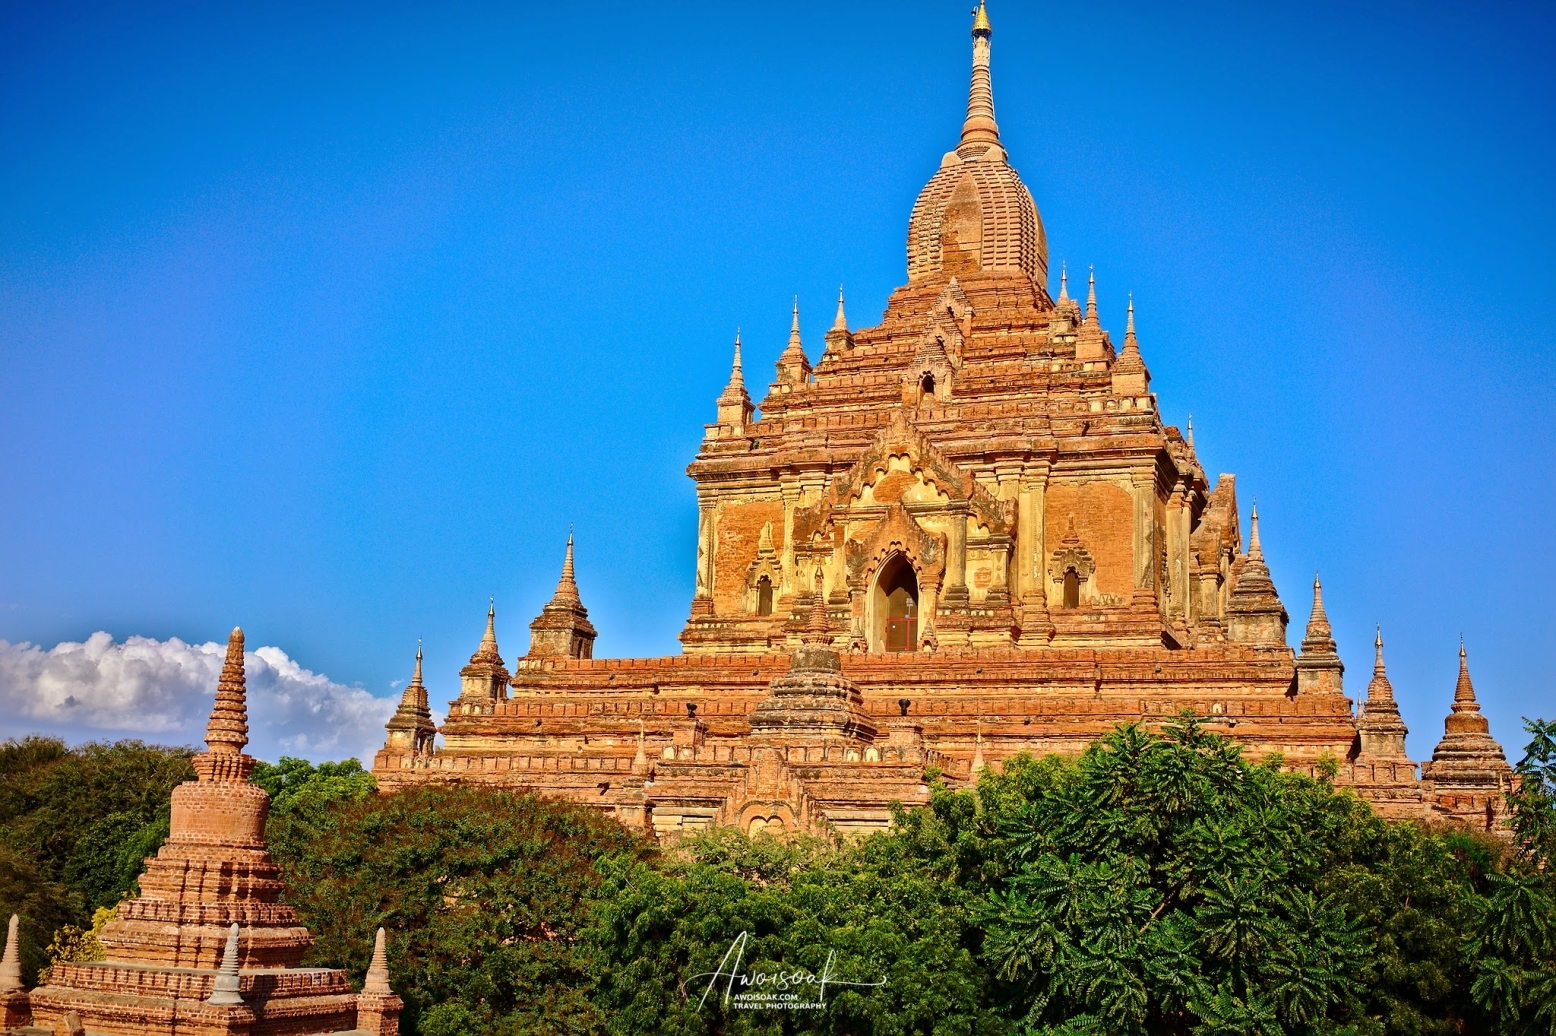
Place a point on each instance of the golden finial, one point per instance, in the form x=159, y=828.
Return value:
x=981, y=26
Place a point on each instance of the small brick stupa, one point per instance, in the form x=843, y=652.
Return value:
x=208, y=949
x=1468, y=772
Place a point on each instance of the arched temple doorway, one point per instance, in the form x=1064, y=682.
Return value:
x=896, y=606
x=1072, y=588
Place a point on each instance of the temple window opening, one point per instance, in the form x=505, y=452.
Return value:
x=898, y=590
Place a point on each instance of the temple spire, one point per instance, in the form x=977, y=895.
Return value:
x=1254, y=612
x=485, y=678
x=1381, y=728
x=227, y=733
x=734, y=403
x=1191, y=431
x=1464, y=691
x=1091, y=296
x=378, y=1009
x=411, y=729
x=1130, y=377
x=979, y=128
x=563, y=628
x=841, y=322
x=1469, y=772
x=567, y=586
x=1064, y=283
x=737, y=377
x=793, y=364
x=1319, y=669
x=1318, y=621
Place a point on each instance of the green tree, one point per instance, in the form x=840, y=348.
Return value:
x=1512, y=944
x=863, y=913
x=1162, y=884
x=484, y=892
x=303, y=796
x=75, y=827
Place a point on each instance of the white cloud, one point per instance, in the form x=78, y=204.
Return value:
x=161, y=690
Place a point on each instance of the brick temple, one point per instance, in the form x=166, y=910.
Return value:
x=961, y=534
x=207, y=948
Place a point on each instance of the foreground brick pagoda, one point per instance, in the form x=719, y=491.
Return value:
x=207, y=948
x=964, y=533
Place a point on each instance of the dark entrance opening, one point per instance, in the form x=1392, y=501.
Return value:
x=764, y=596
x=898, y=590
x=1072, y=589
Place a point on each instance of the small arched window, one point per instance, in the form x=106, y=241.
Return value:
x=764, y=596
x=1072, y=588
x=927, y=385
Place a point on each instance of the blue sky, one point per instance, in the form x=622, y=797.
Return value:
x=328, y=319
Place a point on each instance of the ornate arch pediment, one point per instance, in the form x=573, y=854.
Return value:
x=766, y=563
x=901, y=446
x=898, y=534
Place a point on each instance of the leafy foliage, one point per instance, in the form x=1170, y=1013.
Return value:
x=1512, y=943
x=73, y=944
x=75, y=827
x=663, y=930
x=484, y=891
x=1162, y=884
x=1157, y=884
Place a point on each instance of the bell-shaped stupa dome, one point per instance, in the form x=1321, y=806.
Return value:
x=975, y=214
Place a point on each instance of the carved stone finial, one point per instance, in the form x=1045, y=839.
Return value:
x=11, y=963
x=378, y=971
x=640, y=760
x=816, y=627
x=226, y=988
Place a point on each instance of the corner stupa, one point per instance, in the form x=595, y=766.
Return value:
x=208, y=948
